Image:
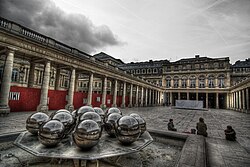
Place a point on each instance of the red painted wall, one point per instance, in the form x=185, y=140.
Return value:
x=78, y=99
x=57, y=99
x=96, y=103
x=28, y=101
x=109, y=97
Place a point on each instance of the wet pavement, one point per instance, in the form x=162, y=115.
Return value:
x=219, y=151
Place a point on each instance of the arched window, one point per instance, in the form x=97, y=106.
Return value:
x=184, y=82
x=202, y=81
x=168, y=81
x=192, y=81
x=221, y=81
x=15, y=74
x=149, y=71
x=155, y=70
x=211, y=81
x=176, y=82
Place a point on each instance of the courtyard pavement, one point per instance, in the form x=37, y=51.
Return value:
x=220, y=152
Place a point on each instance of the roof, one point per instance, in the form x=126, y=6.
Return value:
x=103, y=56
x=240, y=64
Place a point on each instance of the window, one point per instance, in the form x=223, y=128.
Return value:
x=95, y=84
x=184, y=82
x=160, y=82
x=149, y=71
x=211, y=81
x=100, y=84
x=221, y=80
x=192, y=82
x=108, y=84
x=168, y=82
x=176, y=82
x=14, y=77
x=202, y=81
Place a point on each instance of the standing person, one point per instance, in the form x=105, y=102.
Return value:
x=201, y=127
x=230, y=133
x=171, y=125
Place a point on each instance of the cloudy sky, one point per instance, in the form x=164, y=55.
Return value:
x=140, y=30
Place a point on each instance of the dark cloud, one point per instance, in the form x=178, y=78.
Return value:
x=45, y=17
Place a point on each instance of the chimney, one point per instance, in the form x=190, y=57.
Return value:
x=197, y=56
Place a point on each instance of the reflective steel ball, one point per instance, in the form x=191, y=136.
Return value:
x=34, y=122
x=51, y=133
x=91, y=116
x=99, y=111
x=58, y=111
x=134, y=115
x=127, y=130
x=83, y=110
x=142, y=123
x=113, y=110
x=67, y=120
x=111, y=123
x=87, y=134
x=73, y=113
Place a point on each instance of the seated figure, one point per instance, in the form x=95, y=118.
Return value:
x=171, y=125
x=230, y=133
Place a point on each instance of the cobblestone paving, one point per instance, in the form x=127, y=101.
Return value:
x=220, y=151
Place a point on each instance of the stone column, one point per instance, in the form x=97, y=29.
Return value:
x=142, y=95
x=43, y=106
x=146, y=97
x=217, y=100
x=137, y=96
x=197, y=82
x=206, y=100
x=237, y=100
x=76, y=82
x=179, y=95
x=247, y=100
x=197, y=96
x=124, y=95
x=206, y=82
x=240, y=100
x=115, y=95
x=172, y=83
x=70, y=106
x=216, y=83
x=31, y=75
x=187, y=95
x=188, y=83
x=104, y=92
x=91, y=78
x=6, y=83
x=57, y=81
x=131, y=96
x=243, y=100
x=171, y=98
x=150, y=97
x=227, y=101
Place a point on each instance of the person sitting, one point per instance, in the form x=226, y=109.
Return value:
x=171, y=125
x=201, y=127
x=230, y=133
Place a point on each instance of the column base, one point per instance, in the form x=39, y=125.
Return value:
x=103, y=106
x=123, y=106
x=42, y=108
x=136, y=105
x=130, y=105
x=89, y=105
x=141, y=105
x=69, y=107
x=114, y=105
x=4, y=110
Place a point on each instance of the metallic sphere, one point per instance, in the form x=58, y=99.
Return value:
x=58, y=111
x=142, y=122
x=99, y=111
x=113, y=110
x=91, y=116
x=87, y=134
x=35, y=120
x=83, y=110
x=51, y=133
x=127, y=130
x=111, y=123
x=67, y=120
